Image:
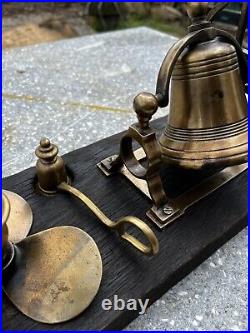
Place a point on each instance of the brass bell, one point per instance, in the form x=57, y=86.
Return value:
x=207, y=123
x=206, y=131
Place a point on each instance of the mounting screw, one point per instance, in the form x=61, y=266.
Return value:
x=168, y=210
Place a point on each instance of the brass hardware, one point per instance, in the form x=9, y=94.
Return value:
x=55, y=275
x=51, y=276
x=175, y=207
x=51, y=175
x=7, y=247
x=5, y=216
x=119, y=226
x=50, y=167
x=207, y=123
x=5, y=208
x=20, y=216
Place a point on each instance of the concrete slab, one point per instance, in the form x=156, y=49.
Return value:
x=82, y=87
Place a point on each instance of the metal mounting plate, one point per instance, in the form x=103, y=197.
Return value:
x=163, y=216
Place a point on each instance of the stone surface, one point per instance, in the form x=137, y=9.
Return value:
x=213, y=297
x=81, y=90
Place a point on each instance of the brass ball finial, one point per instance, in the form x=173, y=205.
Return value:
x=197, y=9
x=46, y=151
x=44, y=142
x=145, y=105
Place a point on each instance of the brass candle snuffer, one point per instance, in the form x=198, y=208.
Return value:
x=207, y=123
x=51, y=276
x=52, y=177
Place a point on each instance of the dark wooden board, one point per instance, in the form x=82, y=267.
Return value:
x=183, y=245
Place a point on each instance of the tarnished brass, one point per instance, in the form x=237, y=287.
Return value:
x=175, y=207
x=20, y=217
x=5, y=216
x=208, y=121
x=5, y=208
x=51, y=276
x=208, y=125
x=55, y=274
x=7, y=247
x=50, y=167
x=52, y=181
x=120, y=225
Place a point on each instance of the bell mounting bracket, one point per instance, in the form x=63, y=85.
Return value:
x=166, y=210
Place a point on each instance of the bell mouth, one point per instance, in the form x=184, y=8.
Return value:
x=198, y=148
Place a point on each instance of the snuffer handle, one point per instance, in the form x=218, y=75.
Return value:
x=52, y=176
x=120, y=225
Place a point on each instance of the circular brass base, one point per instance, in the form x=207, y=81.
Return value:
x=55, y=274
x=20, y=218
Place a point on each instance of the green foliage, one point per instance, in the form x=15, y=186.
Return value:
x=138, y=20
x=134, y=21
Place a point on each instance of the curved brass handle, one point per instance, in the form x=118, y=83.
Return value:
x=119, y=226
x=201, y=35
x=240, y=54
x=164, y=75
x=151, y=249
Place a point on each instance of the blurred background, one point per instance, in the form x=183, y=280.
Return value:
x=33, y=23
